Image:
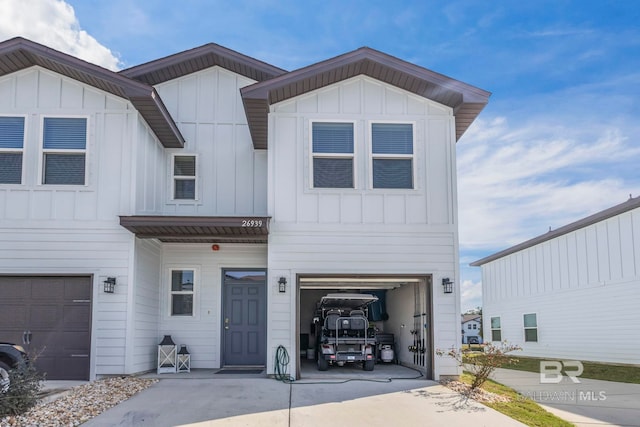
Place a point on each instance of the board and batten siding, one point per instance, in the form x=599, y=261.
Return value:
x=584, y=287
x=231, y=175
x=71, y=229
x=362, y=230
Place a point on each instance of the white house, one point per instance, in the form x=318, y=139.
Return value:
x=471, y=328
x=571, y=293
x=223, y=196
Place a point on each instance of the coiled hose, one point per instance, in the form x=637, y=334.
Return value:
x=282, y=365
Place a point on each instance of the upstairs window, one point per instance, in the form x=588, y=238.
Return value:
x=184, y=177
x=11, y=149
x=182, y=291
x=332, y=151
x=496, y=330
x=64, y=147
x=530, y=328
x=392, y=155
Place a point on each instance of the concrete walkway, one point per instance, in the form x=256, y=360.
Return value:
x=266, y=402
x=588, y=403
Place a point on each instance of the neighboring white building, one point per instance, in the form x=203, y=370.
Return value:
x=204, y=181
x=471, y=327
x=572, y=293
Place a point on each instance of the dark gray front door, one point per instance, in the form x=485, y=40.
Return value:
x=245, y=317
x=51, y=318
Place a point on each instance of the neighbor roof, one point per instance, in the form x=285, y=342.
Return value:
x=467, y=101
x=468, y=317
x=200, y=58
x=18, y=53
x=630, y=204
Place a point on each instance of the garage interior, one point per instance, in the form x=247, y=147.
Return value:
x=402, y=318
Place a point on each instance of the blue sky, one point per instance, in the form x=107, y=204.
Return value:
x=558, y=141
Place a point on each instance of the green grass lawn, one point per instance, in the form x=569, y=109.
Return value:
x=596, y=371
x=519, y=408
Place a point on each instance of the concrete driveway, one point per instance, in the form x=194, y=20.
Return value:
x=587, y=403
x=267, y=402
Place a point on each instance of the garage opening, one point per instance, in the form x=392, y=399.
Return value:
x=364, y=326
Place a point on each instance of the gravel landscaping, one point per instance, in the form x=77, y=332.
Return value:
x=79, y=404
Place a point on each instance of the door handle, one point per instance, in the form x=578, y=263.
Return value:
x=28, y=337
x=226, y=323
x=24, y=338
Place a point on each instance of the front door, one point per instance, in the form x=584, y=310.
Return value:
x=245, y=317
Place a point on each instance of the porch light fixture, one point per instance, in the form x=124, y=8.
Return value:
x=447, y=285
x=282, y=285
x=109, y=285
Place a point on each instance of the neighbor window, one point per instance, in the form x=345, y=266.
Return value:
x=332, y=152
x=475, y=326
x=496, y=331
x=182, y=291
x=11, y=149
x=469, y=326
x=184, y=177
x=64, y=149
x=530, y=328
x=392, y=155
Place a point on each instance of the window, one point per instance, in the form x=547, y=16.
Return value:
x=64, y=144
x=332, y=152
x=469, y=326
x=182, y=289
x=11, y=149
x=530, y=328
x=184, y=177
x=475, y=326
x=392, y=155
x=496, y=331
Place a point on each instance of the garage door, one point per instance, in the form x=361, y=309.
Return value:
x=51, y=318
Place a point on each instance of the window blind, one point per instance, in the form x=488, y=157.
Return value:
x=68, y=133
x=11, y=132
x=392, y=138
x=332, y=137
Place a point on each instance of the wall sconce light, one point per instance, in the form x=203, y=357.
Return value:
x=109, y=285
x=447, y=285
x=282, y=285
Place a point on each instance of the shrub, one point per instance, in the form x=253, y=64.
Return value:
x=26, y=383
x=483, y=364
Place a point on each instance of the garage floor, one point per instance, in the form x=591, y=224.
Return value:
x=382, y=371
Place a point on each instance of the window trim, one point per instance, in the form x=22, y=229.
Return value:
x=170, y=292
x=525, y=328
x=499, y=328
x=353, y=156
x=411, y=156
x=18, y=150
x=173, y=178
x=43, y=151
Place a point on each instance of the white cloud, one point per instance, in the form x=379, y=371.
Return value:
x=470, y=295
x=54, y=24
x=516, y=183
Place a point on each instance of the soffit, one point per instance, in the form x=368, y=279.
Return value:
x=18, y=53
x=200, y=58
x=191, y=229
x=466, y=101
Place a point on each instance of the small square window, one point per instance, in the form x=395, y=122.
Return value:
x=184, y=177
x=530, y=327
x=182, y=292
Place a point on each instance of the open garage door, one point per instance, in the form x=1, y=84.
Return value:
x=51, y=318
x=400, y=320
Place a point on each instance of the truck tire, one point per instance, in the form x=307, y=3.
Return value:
x=323, y=364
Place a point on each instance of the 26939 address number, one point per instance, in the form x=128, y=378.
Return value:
x=252, y=223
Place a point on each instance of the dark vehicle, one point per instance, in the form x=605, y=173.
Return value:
x=473, y=340
x=11, y=356
x=345, y=335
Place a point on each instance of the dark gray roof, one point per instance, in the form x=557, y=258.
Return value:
x=198, y=229
x=200, y=58
x=467, y=101
x=19, y=53
x=630, y=204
